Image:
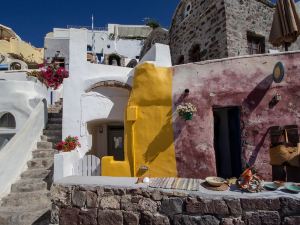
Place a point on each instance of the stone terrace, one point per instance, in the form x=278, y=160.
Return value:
x=117, y=201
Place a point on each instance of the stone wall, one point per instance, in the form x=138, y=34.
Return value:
x=158, y=35
x=91, y=205
x=247, y=16
x=204, y=26
x=220, y=28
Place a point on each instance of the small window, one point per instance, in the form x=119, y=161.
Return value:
x=7, y=121
x=180, y=60
x=256, y=44
x=89, y=48
x=187, y=10
x=108, y=46
x=195, y=53
x=137, y=57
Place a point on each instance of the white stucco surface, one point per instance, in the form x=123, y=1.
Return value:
x=17, y=151
x=84, y=112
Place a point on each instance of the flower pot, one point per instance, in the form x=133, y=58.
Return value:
x=187, y=116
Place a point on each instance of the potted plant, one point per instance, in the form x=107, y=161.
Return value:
x=186, y=110
x=52, y=75
x=69, y=144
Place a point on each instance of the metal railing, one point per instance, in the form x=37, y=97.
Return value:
x=87, y=27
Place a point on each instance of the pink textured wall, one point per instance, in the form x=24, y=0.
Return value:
x=245, y=82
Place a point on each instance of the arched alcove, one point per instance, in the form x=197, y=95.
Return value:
x=7, y=120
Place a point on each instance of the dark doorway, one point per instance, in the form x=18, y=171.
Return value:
x=227, y=141
x=116, y=142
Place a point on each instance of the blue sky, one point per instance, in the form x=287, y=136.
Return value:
x=32, y=19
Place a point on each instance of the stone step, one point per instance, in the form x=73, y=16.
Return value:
x=54, y=126
x=36, y=173
x=43, y=138
x=54, y=120
x=52, y=132
x=43, y=153
x=54, y=115
x=29, y=185
x=55, y=140
x=39, y=163
x=39, y=198
x=13, y=216
x=44, y=145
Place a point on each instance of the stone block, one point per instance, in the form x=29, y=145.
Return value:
x=130, y=218
x=290, y=206
x=119, y=191
x=61, y=196
x=232, y=221
x=127, y=205
x=88, y=217
x=260, y=204
x=78, y=198
x=206, y=206
x=195, y=220
x=91, y=199
x=262, y=218
x=110, y=217
x=292, y=220
x=156, y=195
x=234, y=206
x=147, y=218
x=147, y=204
x=110, y=202
x=171, y=207
x=69, y=216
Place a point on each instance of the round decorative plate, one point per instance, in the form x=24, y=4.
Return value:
x=278, y=72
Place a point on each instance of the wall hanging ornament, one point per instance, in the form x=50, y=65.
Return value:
x=186, y=111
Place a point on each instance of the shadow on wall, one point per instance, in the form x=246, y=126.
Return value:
x=250, y=104
x=253, y=157
x=257, y=94
x=160, y=143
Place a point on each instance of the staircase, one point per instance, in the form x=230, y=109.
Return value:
x=29, y=201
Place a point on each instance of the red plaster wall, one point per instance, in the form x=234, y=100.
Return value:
x=245, y=82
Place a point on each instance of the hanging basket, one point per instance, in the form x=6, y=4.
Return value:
x=187, y=116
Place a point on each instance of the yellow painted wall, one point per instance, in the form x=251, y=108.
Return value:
x=149, y=140
x=16, y=46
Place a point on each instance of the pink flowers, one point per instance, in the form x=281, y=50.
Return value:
x=69, y=144
x=52, y=75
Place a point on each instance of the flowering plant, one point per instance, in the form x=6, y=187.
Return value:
x=52, y=75
x=186, y=110
x=69, y=144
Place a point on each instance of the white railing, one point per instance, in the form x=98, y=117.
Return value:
x=71, y=164
x=89, y=165
x=16, y=153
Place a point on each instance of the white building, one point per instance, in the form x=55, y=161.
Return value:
x=19, y=96
x=116, y=44
x=95, y=98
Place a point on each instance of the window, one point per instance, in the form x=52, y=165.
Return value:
x=59, y=61
x=114, y=60
x=188, y=9
x=15, y=66
x=89, y=48
x=256, y=44
x=194, y=53
x=180, y=60
x=7, y=121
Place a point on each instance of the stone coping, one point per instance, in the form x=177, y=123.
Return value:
x=130, y=182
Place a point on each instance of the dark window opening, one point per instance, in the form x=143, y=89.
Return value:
x=195, y=53
x=116, y=142
x=227, y=141
x=89, y=48
x=8, y=121
x=60, y=61
x=15, y=66
x=132, y=63
x=180, y=60
x=114, y=60
x=256, y=44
